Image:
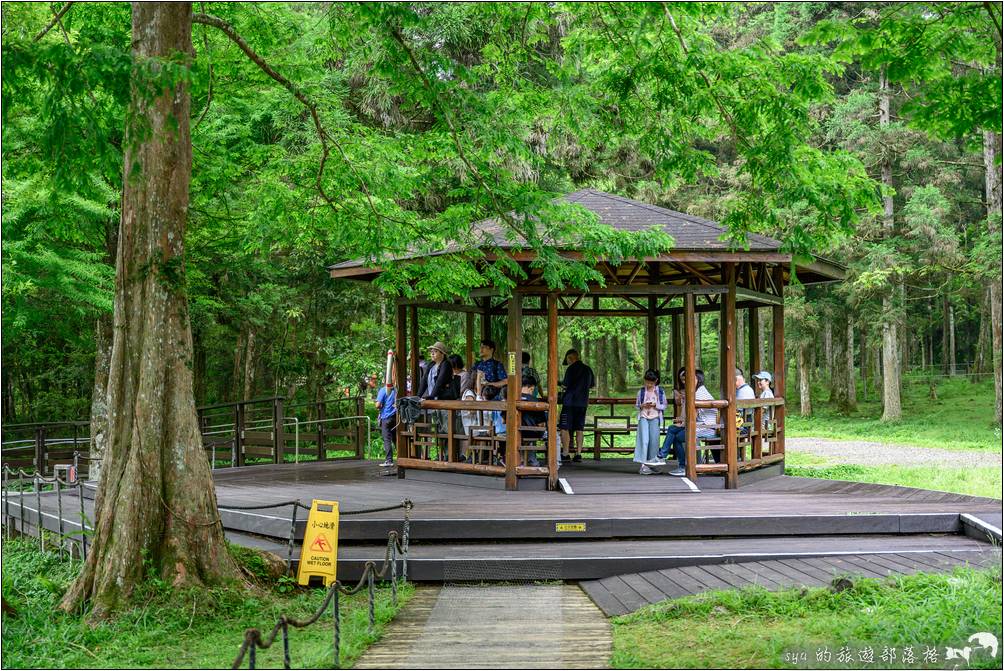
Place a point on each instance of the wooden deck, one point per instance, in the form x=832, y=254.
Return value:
x=621, y=594
x=616, y=521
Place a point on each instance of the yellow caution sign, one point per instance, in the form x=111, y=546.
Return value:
x=561, y=527
x=319, y=553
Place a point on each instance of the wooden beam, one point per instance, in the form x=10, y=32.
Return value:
x=513, y=363
x=400, y=366
x=690, y=386
x=339, y=273
x=552, y=391
x=708, y=307
x=532, y=312
x=643, y=290
x=779, y=364
x=729, y=329
x=758, y=296
x=440, y=305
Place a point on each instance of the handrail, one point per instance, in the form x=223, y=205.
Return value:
x=760, y=402
x=432, y=404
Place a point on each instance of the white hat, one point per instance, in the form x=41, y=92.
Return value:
x=763, y=375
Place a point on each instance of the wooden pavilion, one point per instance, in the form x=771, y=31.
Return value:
x=702, y=273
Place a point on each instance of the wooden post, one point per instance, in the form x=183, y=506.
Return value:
x=753, y=323
x=360, y=430
x=400, y=366
x=513, y=363
x=39, y=456
x=690, y=386
x=779, y=369
x=413, y=350
x=451, y=447
x=278, y=432
x=652, y=333
x=239, y=433
x=552, y=391
x=469, y=333
x=322, y=454
x=729, y=433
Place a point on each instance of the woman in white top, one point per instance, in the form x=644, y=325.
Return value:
x=651, y=402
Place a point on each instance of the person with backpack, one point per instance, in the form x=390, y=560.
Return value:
x=650, y=402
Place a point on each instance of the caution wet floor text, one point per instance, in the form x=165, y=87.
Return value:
x=319, y=553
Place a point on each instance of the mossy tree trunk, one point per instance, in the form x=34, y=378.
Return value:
x=156, y=507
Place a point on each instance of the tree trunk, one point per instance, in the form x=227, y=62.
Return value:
x=249, y=367
x=237, y=386
x=9, y=408
x=891, y=405
x=952, y=369
x=827, y=346
x=980, y=357
x=848, y=368
x=622, y=364
x=991, y=156
x=156, y=507
x=600, y=353
x=838, y=373
x=804, y=380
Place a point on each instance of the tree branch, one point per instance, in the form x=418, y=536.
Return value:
x=322, y=134
x=989, y=6
x=52, y=24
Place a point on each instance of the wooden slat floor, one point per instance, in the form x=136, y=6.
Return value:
x=494, y=626
x=621, y=594
x=360, y=485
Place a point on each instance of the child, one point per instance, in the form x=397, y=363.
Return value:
x=385, y=402
x=651, y=402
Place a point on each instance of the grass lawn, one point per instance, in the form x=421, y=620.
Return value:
x=186, y=629
x=754, y=628
x=962, y=418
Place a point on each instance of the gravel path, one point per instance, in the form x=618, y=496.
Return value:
x=882, y=454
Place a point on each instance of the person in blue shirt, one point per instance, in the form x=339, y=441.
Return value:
x=495, y=375
x=386, y=403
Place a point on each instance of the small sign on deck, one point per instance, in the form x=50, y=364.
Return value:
x=512, y=363
x=319, y=553
x=561, y=527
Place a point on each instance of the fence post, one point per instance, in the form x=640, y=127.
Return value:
x=278, y=431
x=6, y=501
x=360, y=432
x=338, y=626
x=239, y=412
x=59, y=511
x=38, y=512
x=40, y=450
x=292, y=538
x=322, y=453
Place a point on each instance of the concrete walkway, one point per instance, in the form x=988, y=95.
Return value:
x=494, y=626
x=882, y=454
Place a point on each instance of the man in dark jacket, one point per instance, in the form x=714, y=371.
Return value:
x=579, y=379
x=436, y=383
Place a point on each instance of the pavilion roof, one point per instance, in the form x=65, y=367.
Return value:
x=690, y=233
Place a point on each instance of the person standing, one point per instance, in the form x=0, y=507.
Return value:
x=494, y=372
x=650, y=402
x=579, y=379
x=386, y=402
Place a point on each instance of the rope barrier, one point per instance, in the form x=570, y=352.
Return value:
x=253, y=639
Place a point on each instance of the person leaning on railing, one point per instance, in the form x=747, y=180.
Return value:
x=676, y=433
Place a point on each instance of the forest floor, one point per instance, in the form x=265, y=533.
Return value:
x=197, y=629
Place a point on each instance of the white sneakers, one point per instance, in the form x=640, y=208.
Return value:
x=679, y=472
x=645, y=470
x=655, y=462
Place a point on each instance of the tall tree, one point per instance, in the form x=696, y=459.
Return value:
x=155, y=501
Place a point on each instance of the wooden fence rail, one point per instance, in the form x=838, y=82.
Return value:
x=263, y=430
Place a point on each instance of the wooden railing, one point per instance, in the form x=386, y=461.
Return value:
x=263, y=430
x=439, y=441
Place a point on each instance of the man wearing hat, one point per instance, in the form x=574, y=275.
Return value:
x=435, y=385
x=579, y=379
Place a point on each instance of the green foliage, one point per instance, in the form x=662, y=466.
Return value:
x=188, y=629
x=754, y=628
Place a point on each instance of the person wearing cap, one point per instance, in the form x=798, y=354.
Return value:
x=744, y=392
x=437, y=382
x=579, y=379
x=763, y=380
x=494, y=371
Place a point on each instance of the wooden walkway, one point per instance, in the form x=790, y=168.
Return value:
x=494, y=626
x=618, y=595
